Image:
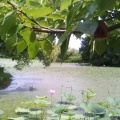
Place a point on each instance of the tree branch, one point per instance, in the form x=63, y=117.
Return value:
x=110, y=28
x=114, y=27
x=27, y=16
x=54, y=31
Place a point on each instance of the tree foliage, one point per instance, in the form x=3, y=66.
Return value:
x=109, y=58
x=32, y=25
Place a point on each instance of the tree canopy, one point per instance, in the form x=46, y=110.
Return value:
x=32, y=25
x=109, y=58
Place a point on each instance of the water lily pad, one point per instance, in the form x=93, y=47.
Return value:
x=22, y=111
x=35, y=112
x=72, y=107
x=21, y=118
x=93, y=108
x=79, y=116
x=70, y=113
x=42, y=103
x=42, y=97
x=58, y=108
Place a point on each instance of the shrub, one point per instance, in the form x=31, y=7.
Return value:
x=74, y=59
x=5, y=78
x=71, y=56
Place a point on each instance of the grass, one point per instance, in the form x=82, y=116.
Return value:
x=103, y=80
x=73, y=59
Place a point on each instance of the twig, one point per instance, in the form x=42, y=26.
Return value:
x=53, y=31
x=28, y=16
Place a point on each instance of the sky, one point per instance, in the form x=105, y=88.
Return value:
x=74, y=43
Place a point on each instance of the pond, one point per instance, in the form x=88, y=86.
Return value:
x=104, y=81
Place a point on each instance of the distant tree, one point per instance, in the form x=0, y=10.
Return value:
x=84, y=50
x=108, y=58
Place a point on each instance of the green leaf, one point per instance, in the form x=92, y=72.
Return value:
x=93, y=108
x=2, y=4
x=21, y=46
x=92, y=47
x=106, y=117
x=33, y=49
x=57, y=2
x=14, y=29
x=116, y=44
x=40, y=12
x=92, y=8
x=71, y=113
x=59, y=108
x=65, y=4
x=106, y=105
x=33, y=45
x=51, y=112
x=42, y=98
x=65, y=35
x=21, y=3
x=72, y=107
x=44, y=23
x=30, y=103
x=79, y=117
x=42, y=103
x=46, y=46
x=86, y=107
x=22, y=110
x=114, y=101
x=64, y=48
x=52, y=37
x=14, y=3
x=111, y=41
x=73, y=12
x=8, y=22
x=69, y=97
x=32, y=36
x=34, y=3
x=100, y=46
x=10, y=41
x=28, y=36
x=104, y=5
x=78, y=35
x=55, y=17
x=35, y=112
x=88, y=94
x=87, y=27
x=98, y=110
x=20, y=118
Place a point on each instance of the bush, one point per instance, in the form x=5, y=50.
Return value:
x=5, y=79
x=71, y=56
x=74, y=59
x=55, y=52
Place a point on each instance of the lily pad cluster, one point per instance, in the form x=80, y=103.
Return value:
x=42, y=109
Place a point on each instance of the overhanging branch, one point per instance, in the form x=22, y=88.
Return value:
x=114, y=27
x=54, y=31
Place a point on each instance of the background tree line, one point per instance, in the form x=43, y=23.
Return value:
x=109, y=58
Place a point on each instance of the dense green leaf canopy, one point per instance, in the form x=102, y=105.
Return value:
x=33, y=25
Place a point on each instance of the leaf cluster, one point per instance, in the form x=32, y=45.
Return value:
x=21, y=21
